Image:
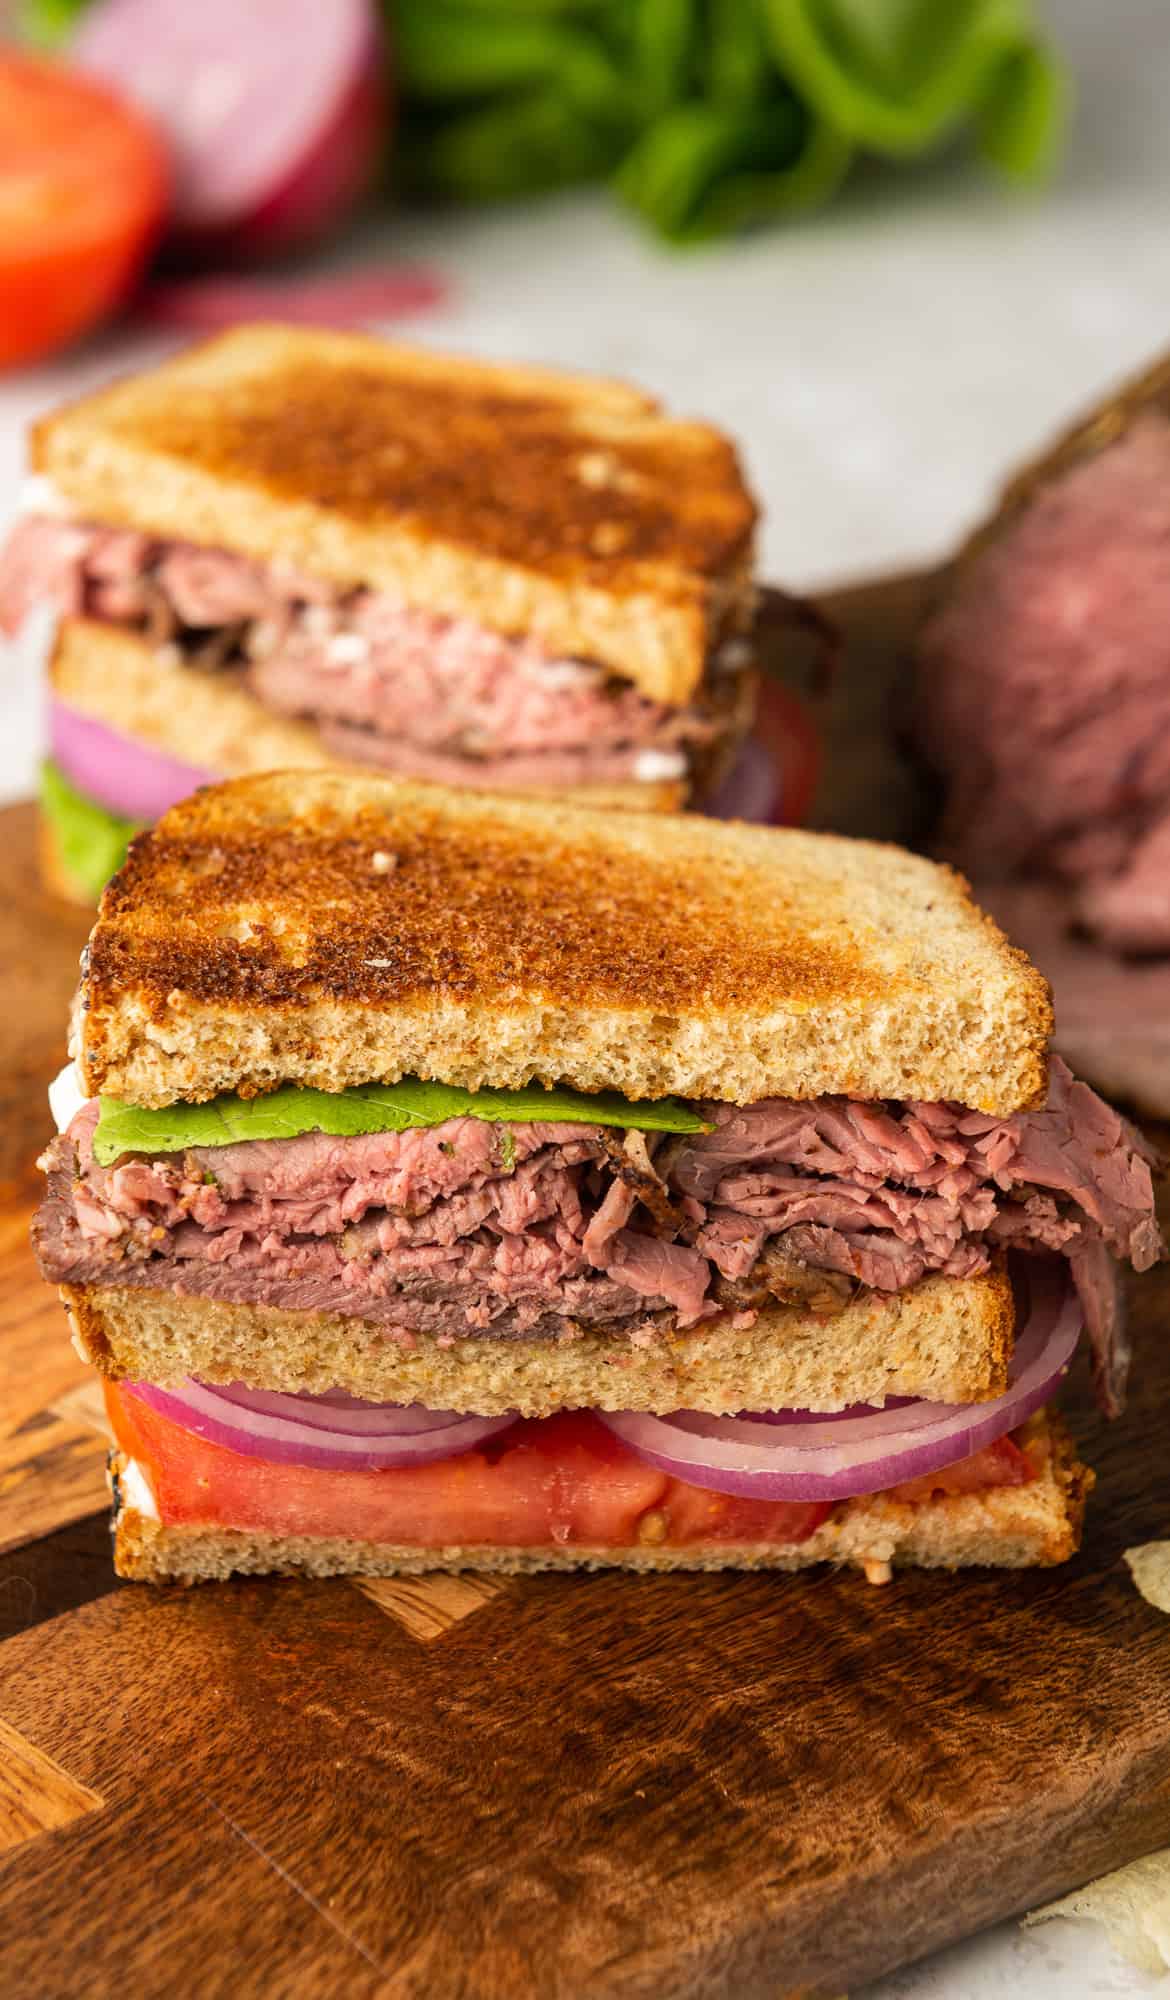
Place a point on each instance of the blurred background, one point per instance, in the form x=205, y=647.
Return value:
x=889, y=244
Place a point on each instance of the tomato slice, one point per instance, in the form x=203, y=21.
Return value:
x=84, y=184
x=785, y=726
x=694, y=1514
x=564, y=1480
x=998, y=1464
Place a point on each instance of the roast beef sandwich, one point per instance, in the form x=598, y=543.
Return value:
x=1043, y=699
x=445, y=1181
x=295, y=548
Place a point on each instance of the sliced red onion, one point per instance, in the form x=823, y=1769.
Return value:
x=275, y=115
x=126, y=778
x=862, y=1451
x=335, y=1431
x=359, y=298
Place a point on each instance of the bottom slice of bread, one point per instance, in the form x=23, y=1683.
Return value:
x=1004, y=1527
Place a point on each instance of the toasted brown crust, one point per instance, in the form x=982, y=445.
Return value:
x=533, y=501
x=251, y=939
x=947, y=1339
x=1008, y=1527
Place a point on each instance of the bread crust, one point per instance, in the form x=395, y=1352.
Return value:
x=250, y=940
x=948, y=1339
x=535, y=502
x=1007, y=1527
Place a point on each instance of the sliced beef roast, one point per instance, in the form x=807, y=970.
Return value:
x=544, y=1229
x=386, y=683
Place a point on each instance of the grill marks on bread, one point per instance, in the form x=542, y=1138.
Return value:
x=255, y=937
x=500, y=473
x=562, y=506
x=478, y=911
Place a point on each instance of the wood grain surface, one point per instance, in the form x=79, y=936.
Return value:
x=602, y=1786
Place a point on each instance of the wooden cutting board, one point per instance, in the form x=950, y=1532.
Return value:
x=452, y=1789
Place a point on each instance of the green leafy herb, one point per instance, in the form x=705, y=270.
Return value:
x=707, y=115
x=91, y=842
x=47, y=22
x=369, y=1107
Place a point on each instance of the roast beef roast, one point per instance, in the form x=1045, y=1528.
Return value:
x=1043, y=692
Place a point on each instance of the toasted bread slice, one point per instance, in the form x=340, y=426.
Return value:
x=116, y=678
x=330, y=930
x=947, y=1339
x=1005, y=1527
x=533, y=502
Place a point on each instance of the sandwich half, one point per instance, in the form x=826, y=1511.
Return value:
x=293, y=548
x=444, y=1181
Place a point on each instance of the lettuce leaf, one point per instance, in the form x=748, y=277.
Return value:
x=91, y=842
x=369, y=1107
x=46, y=22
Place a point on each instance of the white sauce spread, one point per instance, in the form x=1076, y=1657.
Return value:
x=136, y=1491
x=66, y=1096
x=652, y=765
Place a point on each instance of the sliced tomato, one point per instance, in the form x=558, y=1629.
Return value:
x=998, y=1464
x=564, y=1480
x=84, y=185
x=785, y=726
x=695, y=1515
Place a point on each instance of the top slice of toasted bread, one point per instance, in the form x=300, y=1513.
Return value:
x=331, y=930
x=531, y=501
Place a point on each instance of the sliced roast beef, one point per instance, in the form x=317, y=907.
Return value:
x=543, y=770
x=1043, y=691
x=1128, y=908
x=41, y=562
x=471, y=1227
x=386, y=683
x=1112, y=1014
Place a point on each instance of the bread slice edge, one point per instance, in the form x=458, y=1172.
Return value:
x=947, y=1339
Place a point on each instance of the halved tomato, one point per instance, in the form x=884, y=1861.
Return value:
x=84, y=185
x=565, y=1480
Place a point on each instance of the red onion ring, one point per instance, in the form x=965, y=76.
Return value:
x=866, y=1452
x=336, y=1432
x=125, y=777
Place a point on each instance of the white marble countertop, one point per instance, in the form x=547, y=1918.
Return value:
x=883, y=365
